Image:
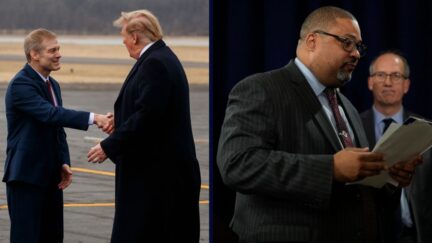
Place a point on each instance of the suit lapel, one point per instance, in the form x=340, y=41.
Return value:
x=327, y=129
x=36, y=78
x=56, y=87
x=158, y=44
x=369, y=126
x=406, y=114
x=409, y=195
x=356, y=125
x=309, y=98
x=130, y=75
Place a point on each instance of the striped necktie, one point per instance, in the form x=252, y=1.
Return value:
x=342, y=129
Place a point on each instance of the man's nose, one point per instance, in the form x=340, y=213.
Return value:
x=387, y=80
x=356, y=53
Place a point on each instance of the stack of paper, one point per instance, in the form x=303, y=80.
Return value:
x=401, y=143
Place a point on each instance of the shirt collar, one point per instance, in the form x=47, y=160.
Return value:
x=42, y=77
x=315, y=84
x=146, y=48
x=378, y=116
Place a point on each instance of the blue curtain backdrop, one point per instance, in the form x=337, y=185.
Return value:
x=255, y=36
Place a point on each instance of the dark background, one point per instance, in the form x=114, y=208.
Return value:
x=255, y=36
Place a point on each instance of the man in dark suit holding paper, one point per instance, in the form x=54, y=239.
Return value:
x=290, y=147
x=389, y=82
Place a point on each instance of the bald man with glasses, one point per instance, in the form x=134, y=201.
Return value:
x=348, y=43
x=410, y=220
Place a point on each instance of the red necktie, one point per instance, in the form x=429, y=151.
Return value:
x=340, y=123
x=51, y=92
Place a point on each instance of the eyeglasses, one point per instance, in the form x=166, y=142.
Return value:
x=395, y=77
x=348, y=44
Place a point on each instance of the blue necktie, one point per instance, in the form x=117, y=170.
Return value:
x=387, y=123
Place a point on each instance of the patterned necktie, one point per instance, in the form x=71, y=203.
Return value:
x=387, y=123
x=51, y=92
x=340, y=123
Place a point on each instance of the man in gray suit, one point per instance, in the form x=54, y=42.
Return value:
x=291, y=144
x=389, y=82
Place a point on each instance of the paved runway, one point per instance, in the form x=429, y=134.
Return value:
x=89, y=200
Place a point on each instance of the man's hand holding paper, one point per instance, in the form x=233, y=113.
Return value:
x=403, y=171
x=352, y=164
x=401, y=146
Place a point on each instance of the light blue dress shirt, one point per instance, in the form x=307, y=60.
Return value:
x=379, y=127
x=318, y=88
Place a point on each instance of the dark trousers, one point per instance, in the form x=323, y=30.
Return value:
x=36, y=213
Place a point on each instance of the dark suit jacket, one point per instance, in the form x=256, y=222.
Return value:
x=419, y=191
x=36, y=141
x=276, y=150
x=157, y=173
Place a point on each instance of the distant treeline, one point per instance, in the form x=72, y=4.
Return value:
x=177, y=17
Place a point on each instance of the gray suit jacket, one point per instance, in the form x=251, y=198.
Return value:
x=419, y=191
x=276, y=150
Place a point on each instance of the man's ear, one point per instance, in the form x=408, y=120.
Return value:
x=34, y=55
x=370, y=83
x=310, y=41
x=135, y=38
x=406, y=85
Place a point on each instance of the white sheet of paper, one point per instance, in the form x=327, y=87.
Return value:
x=401, y=143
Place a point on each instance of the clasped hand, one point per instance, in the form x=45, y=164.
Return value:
x=105, y=122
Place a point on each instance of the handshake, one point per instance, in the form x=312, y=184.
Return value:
x=105, y=122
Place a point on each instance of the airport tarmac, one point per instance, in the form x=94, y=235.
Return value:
x=89, y=201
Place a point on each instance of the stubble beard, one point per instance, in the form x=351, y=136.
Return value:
x=343, y=77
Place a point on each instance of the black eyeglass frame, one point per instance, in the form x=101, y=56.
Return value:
x=347, y=42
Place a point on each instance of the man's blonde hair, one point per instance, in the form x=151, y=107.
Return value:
x=142, y=22
x=33, y=41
